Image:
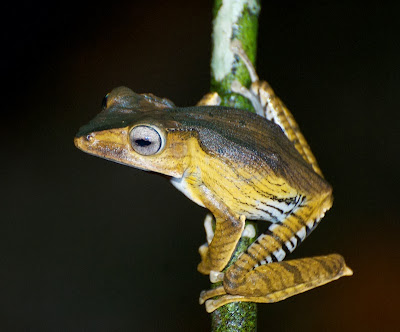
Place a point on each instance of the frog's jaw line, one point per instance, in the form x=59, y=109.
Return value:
x=96, y=153
x=118, y=154
x=115, y=152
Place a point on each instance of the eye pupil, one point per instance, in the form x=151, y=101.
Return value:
x=142, y=142
x=146, y=140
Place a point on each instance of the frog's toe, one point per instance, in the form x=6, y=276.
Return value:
x=203, y=250
x=208, y=226
x=237, y=48
x=214, y=304
x=216, y=276
x=249, y=231
x=208, y=294
x=238, y=88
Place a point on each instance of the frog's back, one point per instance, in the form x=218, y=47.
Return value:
x=248, y=141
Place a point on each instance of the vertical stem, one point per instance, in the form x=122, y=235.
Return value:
x=234, y=19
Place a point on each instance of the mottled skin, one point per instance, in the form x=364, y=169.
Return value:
x=239, y=166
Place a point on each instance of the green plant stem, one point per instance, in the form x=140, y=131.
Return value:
x=234, y=19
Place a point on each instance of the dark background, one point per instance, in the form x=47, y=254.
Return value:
x=89, y=245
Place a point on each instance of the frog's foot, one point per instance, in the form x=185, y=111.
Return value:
x=238, y=88
x=208, y=294
x=269, y=106
x=276, y=281
x=237, y=49
x=253, y=94
x=260, y=92
x=210, y=99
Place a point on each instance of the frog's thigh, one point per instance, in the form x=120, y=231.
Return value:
x=277, y=281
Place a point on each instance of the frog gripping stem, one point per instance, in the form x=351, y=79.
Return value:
x=238, y=165
x=255, y=274
x=232, y=20
x=277, y=281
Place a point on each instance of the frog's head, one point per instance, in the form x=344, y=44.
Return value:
x=135, y=130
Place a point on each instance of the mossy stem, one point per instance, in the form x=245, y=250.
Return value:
x=234, y=19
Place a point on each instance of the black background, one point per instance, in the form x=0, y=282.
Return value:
x=88, y=245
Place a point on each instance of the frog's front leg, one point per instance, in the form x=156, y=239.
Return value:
x=249, y=231
x=228, y=230
x=210, y=99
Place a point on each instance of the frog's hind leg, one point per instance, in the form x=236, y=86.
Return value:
x=248, y=277
x=268, y=105
x=281, y=238
x=277, y=281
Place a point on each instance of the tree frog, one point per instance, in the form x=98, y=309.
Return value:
x=239, y=166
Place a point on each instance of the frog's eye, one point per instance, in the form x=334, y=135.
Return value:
x=146, y=140
x=104, y=102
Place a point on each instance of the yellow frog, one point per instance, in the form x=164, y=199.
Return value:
x=239, y=166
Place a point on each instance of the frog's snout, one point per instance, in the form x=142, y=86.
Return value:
x=102, y=142
x=77, y=142
x=82, y=141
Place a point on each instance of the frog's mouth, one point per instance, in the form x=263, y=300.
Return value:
x=113, y=145
x=108, y=144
